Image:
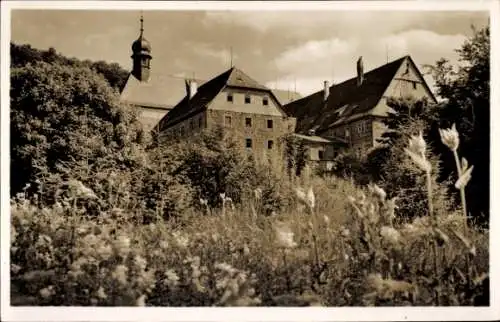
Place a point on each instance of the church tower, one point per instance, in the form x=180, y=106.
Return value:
x=141, y=56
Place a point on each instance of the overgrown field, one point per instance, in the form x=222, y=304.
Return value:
x=329, y=243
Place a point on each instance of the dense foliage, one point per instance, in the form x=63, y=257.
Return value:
x=21, y=55
x=466, y=91
x=67, y=120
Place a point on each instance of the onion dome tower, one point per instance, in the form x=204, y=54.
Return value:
x=141, y=56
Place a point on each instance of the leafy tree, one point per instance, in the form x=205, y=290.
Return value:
x=295, y=155
x=466, y=94
x=64, y=118
x=390, y=166
x=214, y=163
x=22, y=55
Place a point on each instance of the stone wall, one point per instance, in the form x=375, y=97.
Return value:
x=263, y=138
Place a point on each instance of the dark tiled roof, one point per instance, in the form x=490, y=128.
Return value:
x=206, y=93
x=345, y=101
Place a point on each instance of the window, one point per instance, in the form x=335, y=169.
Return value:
x=248, y=143
x=248, y=122
x=247, y=99
x=227, y=120
x=229, y=97
x=414, y=85
x=270, y=144
x=269, y=124
x=321, y=154
x=200, y=122
x=265, y=101
x=191, y=124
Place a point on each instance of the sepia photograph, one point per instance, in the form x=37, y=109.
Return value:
x=330, y=155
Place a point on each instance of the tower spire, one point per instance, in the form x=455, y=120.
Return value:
x=142, y=23
x=141, y=55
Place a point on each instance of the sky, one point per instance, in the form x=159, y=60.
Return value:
x=291, y=50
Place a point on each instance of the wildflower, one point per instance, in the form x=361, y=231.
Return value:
x=141, y=301
x=464, y=179
x=387, y=288
x=344, y=232
x=15, y=268
x=105, y=251
x=326, y=219
x=181, y=240
x=81, y=230
x=81, y=190
x=377, y=191
x=140, y=262
x=203, y=202
x=450, y=138
x=47, y=292
x=310, y=198
x=416, y=151
x=122, y=245
x=90, y=240
x=301, y=194
x=224, y=267
x=258, y=193
x=101, y=294
x=285, y=237
x=163, y=244
x=172, y=279
x=390, y=234
x=246, y=250
x=465, y=164
x=307, y=198
x=120, y=274
x=391, y=209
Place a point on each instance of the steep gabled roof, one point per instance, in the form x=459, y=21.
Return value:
x=345, y=100
x=160, y=91
x=206, y=93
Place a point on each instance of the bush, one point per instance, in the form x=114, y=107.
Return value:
x=67, y=120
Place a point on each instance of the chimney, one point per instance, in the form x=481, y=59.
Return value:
x=360, y=70
x=193, y=88
x=326, y=90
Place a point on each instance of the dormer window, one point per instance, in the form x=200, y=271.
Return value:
x=230, y=97
x=247, y=99
x=265, y=101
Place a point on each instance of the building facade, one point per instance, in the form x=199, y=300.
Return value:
x=353, y=111
x=247, y=110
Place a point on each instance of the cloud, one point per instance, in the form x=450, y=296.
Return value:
x=221, y=55
x=315, y=51
x=307, y=65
